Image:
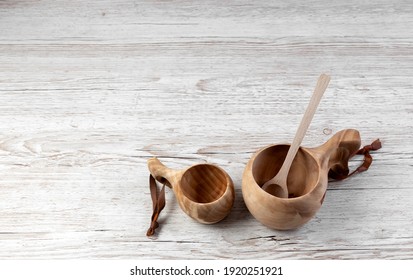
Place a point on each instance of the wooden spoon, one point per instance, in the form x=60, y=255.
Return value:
x=278, y=184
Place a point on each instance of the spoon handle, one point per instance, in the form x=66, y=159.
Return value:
x=319, y=90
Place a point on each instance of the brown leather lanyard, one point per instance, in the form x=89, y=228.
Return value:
x=365, y=151
x=158, y=203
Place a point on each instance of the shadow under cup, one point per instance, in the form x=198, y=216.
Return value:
x=303, y=174
x=204, y=183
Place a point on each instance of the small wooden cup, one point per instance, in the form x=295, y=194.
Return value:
x=307, y=180
x=204, y=191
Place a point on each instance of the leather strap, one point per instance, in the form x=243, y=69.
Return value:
x=368, y=159
x=158, y=203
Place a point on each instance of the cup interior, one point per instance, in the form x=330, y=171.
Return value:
x=303, y=174
x=203, y=183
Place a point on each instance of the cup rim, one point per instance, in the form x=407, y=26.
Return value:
x=297, y=198
x=228, y=183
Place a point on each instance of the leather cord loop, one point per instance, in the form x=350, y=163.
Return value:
x=158, y=203
x=368, y=159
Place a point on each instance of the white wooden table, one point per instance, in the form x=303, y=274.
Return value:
x=89, y=90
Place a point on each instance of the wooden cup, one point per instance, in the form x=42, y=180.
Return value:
x=204, y=191
x=307, y=180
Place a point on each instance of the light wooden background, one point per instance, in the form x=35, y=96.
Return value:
x=89, y=90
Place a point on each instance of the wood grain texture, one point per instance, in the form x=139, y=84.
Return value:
x=90, y=90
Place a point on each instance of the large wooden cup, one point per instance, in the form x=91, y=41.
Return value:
x=307, y=179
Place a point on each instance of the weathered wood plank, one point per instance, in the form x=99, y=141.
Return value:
x=90, y=91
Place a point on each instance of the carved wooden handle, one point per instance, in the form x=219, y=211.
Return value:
x=335, y=154
x=162, y=173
